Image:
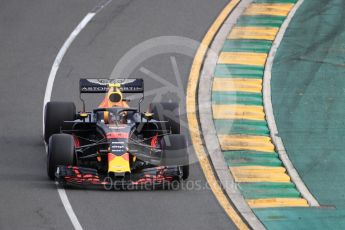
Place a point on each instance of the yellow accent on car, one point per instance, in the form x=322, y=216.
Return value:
x=106, y=117
x=118, y=164
x=114, y=85
x=148, y=115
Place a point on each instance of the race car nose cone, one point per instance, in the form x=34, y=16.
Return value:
x=118, y=164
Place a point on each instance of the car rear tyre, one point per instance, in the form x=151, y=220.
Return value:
x=175, y=152
x=166, y=111
x=61, y=151
x=55, y=114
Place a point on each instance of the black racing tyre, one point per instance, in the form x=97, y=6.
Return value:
x=61, y=151
x=55, y=114
x=175, y=152
x=166, y=111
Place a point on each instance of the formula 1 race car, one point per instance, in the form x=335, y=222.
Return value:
x=115, y=145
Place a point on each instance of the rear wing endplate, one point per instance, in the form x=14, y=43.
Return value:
x=128, y=85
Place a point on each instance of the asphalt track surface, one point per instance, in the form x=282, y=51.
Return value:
x=31, y=34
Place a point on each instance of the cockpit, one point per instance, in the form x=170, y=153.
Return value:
x=117, y=116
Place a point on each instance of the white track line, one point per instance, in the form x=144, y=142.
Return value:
x=47, y=96
x=68, y=207
x=270, y=116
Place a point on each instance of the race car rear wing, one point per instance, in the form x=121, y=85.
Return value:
x=101, y=85
x=128, y=85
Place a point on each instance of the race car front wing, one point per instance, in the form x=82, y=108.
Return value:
x=148, y=178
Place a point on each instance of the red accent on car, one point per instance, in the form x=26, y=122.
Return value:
x=110, y=156
x=126, y=156
x=158, y=178
x=113, y=135
x=154, y=141
x=76, y=141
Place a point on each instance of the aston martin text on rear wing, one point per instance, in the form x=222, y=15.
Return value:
x=94, y=85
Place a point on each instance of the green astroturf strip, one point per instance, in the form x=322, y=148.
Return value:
x=250, y=153
x=268, y=190
x=238, y=71
x=266, y=185
x=234, y=127
x=259, y=46
x=257, y=153
x=250, y=158
x=234, y=159
x=272, y=193
x=249, y=123
x=227, y=98
x=243, y=67
x=241, y=94
x=261, y=21
x=253, y=162
x=275, y=1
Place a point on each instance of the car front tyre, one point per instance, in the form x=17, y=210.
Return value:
x=61, y=151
